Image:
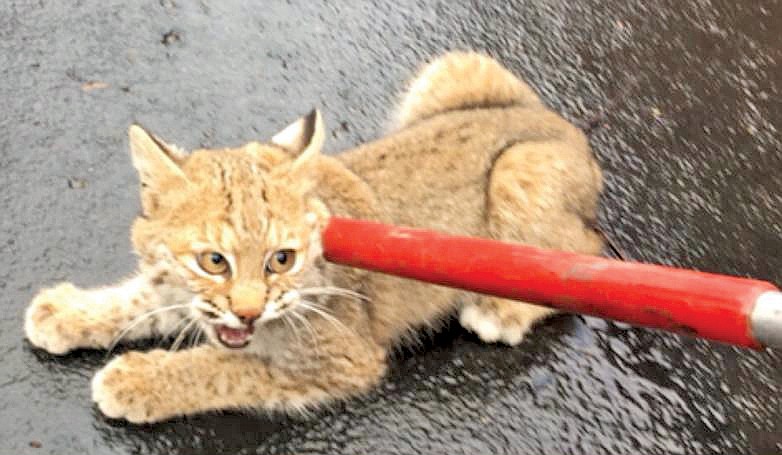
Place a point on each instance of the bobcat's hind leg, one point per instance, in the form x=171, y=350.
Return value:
x=500, y=320
x=541, y=194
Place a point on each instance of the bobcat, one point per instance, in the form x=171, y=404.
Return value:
x=229, y=248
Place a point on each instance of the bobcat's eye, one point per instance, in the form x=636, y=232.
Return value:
x=213, y=263
x=281, y=261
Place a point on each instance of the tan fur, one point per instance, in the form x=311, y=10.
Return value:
x=461, y=80
x=475, y=153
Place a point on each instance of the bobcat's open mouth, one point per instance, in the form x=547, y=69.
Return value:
x=234, y=338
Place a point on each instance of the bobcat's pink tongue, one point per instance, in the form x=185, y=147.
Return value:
x=234, y=338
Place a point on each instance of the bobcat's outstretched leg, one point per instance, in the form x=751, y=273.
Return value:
x=158, y=385
x=64, y=318
x=542, y=194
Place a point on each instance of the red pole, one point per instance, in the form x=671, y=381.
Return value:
x=733, y=310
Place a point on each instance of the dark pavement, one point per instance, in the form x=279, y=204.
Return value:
x=683, y=101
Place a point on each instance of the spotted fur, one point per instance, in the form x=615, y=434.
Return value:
x=474, y=152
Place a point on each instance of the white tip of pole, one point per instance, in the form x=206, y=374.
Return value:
x=766, y=319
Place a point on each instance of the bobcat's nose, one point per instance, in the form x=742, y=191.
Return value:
x=248, y=300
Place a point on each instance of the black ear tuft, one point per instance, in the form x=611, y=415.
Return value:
x=310, y=122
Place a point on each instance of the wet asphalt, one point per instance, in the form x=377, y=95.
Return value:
x=683, y=104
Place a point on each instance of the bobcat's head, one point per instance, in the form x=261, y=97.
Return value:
x=238, y=227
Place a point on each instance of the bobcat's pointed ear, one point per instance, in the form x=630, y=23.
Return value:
x=158, y=166
x=304, y=137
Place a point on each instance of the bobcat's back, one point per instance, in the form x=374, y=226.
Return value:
x=461, y=80
x=476, y=153
x=461, y=112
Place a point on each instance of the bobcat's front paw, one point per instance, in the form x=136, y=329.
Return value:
x=131, y=387
x=52, y=321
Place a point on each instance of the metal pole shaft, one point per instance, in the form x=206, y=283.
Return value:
x=733, y=310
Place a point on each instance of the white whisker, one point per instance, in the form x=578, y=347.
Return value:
x=138, y=320
x=332, y=290
x=199, y=332
x=307, y=326
x=175, y=329
x=323, y=312
x=288, y=322
x=182, y=334
x=209, y=310
x=319, y=309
